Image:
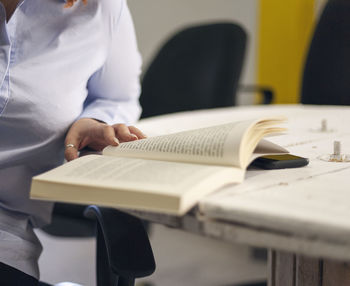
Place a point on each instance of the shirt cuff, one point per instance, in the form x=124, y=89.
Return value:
x=111, y=112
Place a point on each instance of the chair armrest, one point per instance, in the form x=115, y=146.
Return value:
x=122, y=244
x=266, y=92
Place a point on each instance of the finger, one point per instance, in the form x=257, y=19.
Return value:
x=137, y=132
x=123, y=133
x=69, y=4
x=71, y=151
x=109, y=135
x=71, y=146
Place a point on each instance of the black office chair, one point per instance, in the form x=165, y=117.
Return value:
x=197, y=68
x=327, y=67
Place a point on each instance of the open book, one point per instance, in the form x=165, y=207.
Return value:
x=167, y=174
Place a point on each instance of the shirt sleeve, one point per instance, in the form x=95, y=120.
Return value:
x=113, y=91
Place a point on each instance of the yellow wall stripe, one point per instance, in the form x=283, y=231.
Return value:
x=284, y=31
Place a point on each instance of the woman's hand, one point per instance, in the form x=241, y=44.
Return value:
x=87, y=132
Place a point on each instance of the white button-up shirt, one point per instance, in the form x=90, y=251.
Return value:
x=56, y=65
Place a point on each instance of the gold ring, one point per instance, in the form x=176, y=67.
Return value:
x=70, y=145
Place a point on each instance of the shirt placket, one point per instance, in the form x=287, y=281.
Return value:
x=5, y=52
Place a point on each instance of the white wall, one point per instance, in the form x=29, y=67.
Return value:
x=155, y=20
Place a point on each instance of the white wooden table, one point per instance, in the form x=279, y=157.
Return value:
x=302, y=215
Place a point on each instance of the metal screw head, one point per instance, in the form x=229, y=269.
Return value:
x=337, y=148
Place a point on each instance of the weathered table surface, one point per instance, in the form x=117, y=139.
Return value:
x=303, y=214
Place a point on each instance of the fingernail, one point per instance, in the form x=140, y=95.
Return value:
x=133, y=135
x=116, y=140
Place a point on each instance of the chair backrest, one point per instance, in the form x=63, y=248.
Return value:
x=199, y=67
x=326, y=77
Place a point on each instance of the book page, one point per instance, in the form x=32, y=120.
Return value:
x=170, y=187
x=217, y=145
x=265, y=147
x=131, y=173
x=254, y=135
